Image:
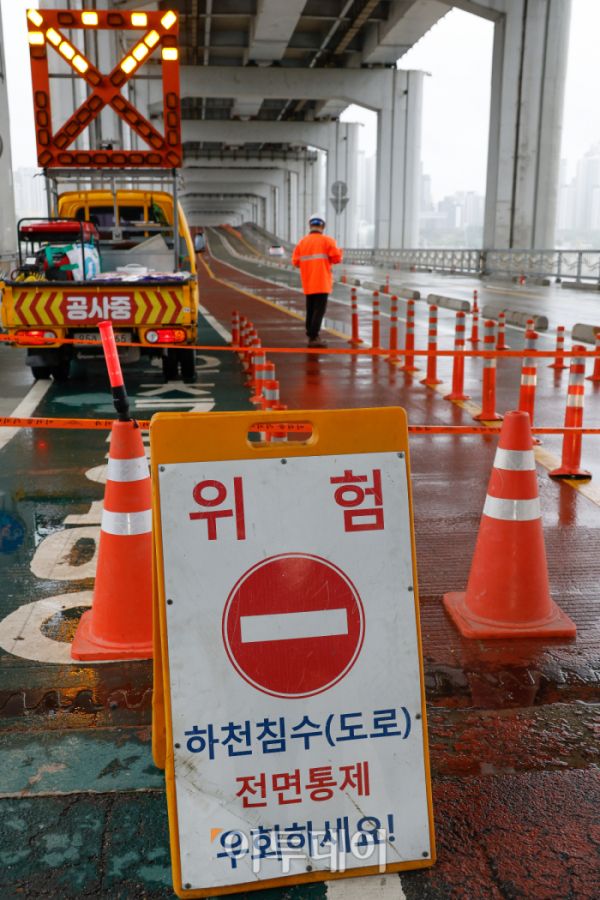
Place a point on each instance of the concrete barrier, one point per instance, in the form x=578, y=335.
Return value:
x=585, y=333
x=581, y=285
x=514, y=317
x=397, y=289
x=449, y=303
x=353, y=282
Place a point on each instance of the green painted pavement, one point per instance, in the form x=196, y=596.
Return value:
x=95, y=759
x=110, y=846
x=42, y=482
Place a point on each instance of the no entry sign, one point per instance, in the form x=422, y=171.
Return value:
x=289, y=609
x=289, y=710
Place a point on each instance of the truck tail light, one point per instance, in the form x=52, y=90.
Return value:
x=165, y=336
x=35, y=335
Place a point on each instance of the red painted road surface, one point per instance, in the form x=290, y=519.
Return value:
x=514, y=726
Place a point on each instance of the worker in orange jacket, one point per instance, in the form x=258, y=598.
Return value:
x=314, y=255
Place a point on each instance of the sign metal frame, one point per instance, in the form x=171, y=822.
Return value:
x=209, y=437
x=156, y=31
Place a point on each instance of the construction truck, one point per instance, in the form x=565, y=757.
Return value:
x=105, y=256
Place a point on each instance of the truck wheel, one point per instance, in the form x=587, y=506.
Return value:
x=40, y=372
x=187, y=361
x=62, y=371
x=169, y=365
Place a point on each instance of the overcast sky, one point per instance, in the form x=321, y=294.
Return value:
x=458, y=54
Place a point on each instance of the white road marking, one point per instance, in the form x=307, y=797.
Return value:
x=25, y=408
x=50, y=560
x=220, y=329
x=92, y=517
x=290, y=626
x=98, y=474
x=366, y=887
x=20, y=632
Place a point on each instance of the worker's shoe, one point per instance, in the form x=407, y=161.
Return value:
x=317, y=343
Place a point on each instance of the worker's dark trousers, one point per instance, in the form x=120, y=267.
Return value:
x=316, y=304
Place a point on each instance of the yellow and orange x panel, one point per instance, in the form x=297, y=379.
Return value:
x=156, y=30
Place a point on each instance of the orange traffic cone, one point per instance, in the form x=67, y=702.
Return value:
x=119, y=624
x=508, y=594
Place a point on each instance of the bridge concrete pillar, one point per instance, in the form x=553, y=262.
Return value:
x=342, y=166
x=528, y=80
x=398, y=162
x=8, y=223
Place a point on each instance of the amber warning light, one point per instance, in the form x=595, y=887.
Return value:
x=53, y=30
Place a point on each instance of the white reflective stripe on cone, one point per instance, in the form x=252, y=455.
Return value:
x=575, y=400
x=128, y=469
x=127, y=523
x=528, y=380
x=514, y=460
x=512, y=510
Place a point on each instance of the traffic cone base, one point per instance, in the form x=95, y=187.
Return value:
x=575, y=474
x=88, y=648
x=557, y=624
x=431, y=381
x=484, y=417
x=457, y=396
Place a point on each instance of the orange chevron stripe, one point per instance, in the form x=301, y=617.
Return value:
x=26, y=298
x=55, y=308
x=169, y=311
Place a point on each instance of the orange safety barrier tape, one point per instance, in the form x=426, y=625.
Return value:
x=483, y=354
x=298, y=427
x=15, y=422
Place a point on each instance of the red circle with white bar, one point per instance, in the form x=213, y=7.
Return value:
x=293, y=625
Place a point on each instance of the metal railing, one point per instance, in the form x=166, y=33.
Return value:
x=579, y=265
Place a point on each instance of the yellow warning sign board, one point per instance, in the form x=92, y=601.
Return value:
x=289, y=708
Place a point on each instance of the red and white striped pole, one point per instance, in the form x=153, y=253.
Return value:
x=254, y=348
x=375, y=338
x=522, y=278
x=259, y=361
x=570, y=466
x=356, y=338
x=235, y=329
x=501, y=342
x=251, y=334
x=431, y=377
x=595, y=376
x=394, y=327
x=559, y=361
x=344, y=277
x=458, y=370
x=243, y=326
x=488, y=401
x=409, y=343
x=271, y=395
x=386, y=289
x=529, y=377
x=474, y=339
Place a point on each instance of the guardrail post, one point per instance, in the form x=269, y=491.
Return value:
x=409, y=343
x=431, y=377
x=458, y=370
x=488, y=400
